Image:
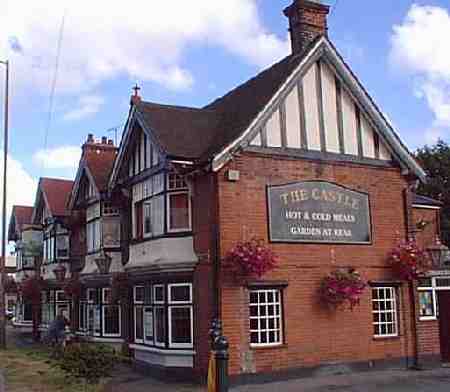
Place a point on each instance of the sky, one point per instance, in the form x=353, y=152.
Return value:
x=190, y=52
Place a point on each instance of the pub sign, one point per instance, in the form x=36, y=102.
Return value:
x=318, y=212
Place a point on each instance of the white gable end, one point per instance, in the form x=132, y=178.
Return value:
x=319, y=114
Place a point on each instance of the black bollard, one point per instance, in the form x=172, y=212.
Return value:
x=215, y=331
x=221, y=352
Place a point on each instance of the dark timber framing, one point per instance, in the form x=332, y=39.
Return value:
x=283, y=127
x=340, y=116
x=359, y=131
x=376, y=143
x=301, y=104
x=264, y=136
x=323, y=141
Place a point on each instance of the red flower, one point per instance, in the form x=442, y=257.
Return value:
x=343, y=286
x=251, y=258
x=409, y=261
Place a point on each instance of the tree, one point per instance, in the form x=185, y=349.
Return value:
x=435, y=160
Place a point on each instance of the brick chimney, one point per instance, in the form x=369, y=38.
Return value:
x=307, y=20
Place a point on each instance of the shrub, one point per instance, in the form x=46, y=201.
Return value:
x=89, y=361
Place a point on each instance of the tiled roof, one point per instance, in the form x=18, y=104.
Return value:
x=100, y=163
x=22, y=214
x=57, y=193
x=198, y=133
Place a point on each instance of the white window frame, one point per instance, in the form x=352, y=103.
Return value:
x=145, y=340
x=181, y=345
x=136, y=305
x=394, y=311
x=180, y=305
x=170, y=301
x=158, y=304
x=104, y=306
x=434, y=288
x=266, y=317
x=94, y=306
x=168, y=195
x=147, y=204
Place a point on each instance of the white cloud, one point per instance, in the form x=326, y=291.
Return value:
x=419, y=48
x=87, y=106
x=21, y=188
x=104, y=40
x=64, y=157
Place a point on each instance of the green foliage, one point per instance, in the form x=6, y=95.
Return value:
x=436, y=162
x=91, y=362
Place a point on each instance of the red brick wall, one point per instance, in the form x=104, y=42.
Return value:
x=427, y=330
x=427, y=236
x=313, y=334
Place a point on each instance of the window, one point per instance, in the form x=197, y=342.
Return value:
x=178, y=204
x=265, y=317
x=93, y=236
x=109, y=209
x=153, y=219
x=111, y=316
x=384, y=310
x=98, y=315
x=164, y=320
x=180, y=315
x=62, y=246
x=178, y=211
x=52, y=303
x=427, y=297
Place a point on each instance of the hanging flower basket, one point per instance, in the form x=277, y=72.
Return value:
x=10, y=285
x=31, y=289
x=408, y=260
x=120, y=287
x=341, y=286
x=252, y=258
x=72, y=288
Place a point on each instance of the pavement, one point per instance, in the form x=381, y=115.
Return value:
x=398, y=380
x=436, y=380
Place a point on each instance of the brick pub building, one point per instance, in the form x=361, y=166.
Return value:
x=300, y=157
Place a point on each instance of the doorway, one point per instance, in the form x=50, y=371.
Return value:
x=444, y=324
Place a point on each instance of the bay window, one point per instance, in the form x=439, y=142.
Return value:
x=162, y=206
x=98, y=315
x=54, y=302
x=163, y=315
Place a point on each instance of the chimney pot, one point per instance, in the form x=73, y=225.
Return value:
x=307, y=21
x=110, y=142
x=104, y=139
x=90, y=138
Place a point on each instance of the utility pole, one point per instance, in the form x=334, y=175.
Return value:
x=3, y=256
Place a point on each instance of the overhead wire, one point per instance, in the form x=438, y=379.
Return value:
x=53, y=84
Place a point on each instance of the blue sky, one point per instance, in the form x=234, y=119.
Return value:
x=193, y=54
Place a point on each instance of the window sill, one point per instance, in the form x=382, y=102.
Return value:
x=268, y=348
x=384, y=338
x=162, y=351
x=428, y=318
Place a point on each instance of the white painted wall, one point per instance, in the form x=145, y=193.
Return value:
x=91, y=268
x=274, y=130
x=350, y=126
x=330, y=109
x=330, y=113
x=368, y=141
x=163, y=253
x=293, y=132
x=311, y=109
